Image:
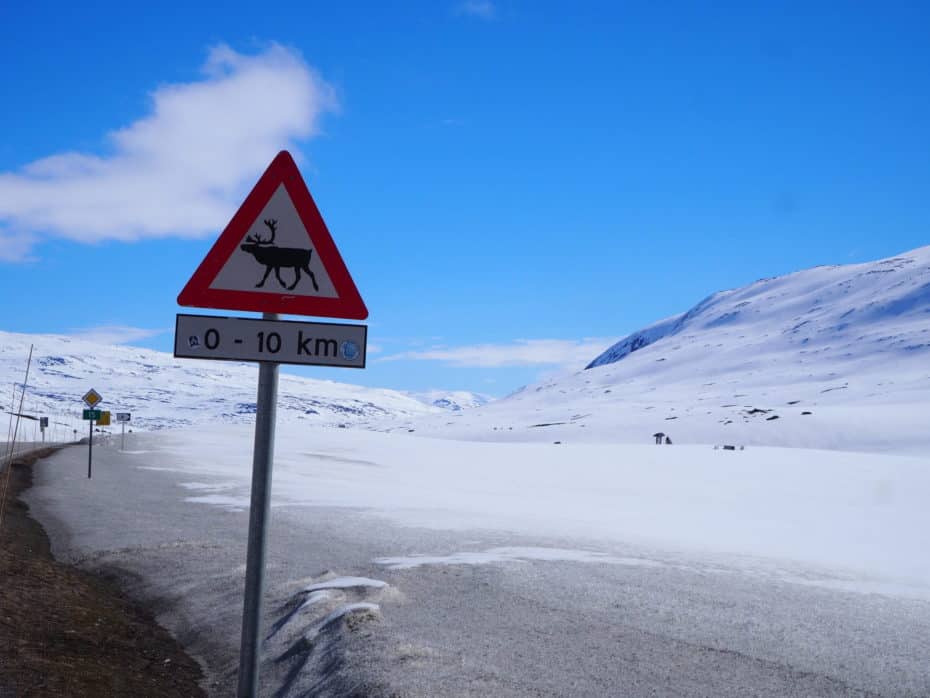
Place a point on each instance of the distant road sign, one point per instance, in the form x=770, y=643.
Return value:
x=281, y=341
x=123, y=416
x=43, y=422
x=276, y=256
x=92, y=414
x=92, y=398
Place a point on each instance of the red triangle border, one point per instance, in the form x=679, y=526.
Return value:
x=348, y=303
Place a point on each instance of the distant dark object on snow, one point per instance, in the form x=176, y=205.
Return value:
x=730, y=447
x=769, y=419
x=805, y=412
x=668, y=441
x=556, y=442
x=659, y=436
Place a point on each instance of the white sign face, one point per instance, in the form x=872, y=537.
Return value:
x=123, y=416
x=92, y=398
x=276, y=256
x=281, y=341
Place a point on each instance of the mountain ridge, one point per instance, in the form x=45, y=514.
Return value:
x=835, y=356
x=161, y=391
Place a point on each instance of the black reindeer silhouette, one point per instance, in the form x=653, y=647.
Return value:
x=274, y=257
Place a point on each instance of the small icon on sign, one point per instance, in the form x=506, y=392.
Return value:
x=193, y=341
x=350, y=350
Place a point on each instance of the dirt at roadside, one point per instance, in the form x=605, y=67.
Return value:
x=65, y=632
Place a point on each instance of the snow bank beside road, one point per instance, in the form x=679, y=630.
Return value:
x=863, y=514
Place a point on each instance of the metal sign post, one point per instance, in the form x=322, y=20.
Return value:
x=91, y=416
x=262, y=457
x=122, y=418
x=90, y=446
x=91, y=398
x=278, y=228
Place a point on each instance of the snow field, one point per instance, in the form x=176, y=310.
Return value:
x=861, y=516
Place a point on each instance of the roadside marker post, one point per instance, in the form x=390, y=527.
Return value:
x=122, y=418
x=278, y=227
x=91, y=398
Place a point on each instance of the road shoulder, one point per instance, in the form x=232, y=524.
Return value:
x=64, y=631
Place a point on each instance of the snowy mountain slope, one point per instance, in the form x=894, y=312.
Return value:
x=453, y=400
x=840, y=312
x=163, y=392
x=848, y=345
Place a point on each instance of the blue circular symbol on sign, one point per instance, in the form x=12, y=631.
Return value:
x=350, y=350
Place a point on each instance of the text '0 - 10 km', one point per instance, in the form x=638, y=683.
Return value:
x=281, y=341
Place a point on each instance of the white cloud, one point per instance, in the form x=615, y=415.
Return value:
x=482, y=9
x=15, y=248
x=181, y=170
x=521, y=352
x=115, y=334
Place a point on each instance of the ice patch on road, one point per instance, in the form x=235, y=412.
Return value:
x=316, y=626
x=223, y=501
x=346, y=583
x=512, y=554
x=208, y=486
x=314, y=598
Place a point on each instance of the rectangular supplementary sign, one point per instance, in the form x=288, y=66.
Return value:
x=92, y=414
x=123, y=416
x=281, y=341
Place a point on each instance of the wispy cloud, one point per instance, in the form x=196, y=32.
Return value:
x=115, y=334
x=482, y=9
x=521, y=352
x=180, y=170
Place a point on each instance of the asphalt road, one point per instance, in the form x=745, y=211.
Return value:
x=647, y=623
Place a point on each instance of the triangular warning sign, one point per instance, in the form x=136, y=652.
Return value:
x=276, y=256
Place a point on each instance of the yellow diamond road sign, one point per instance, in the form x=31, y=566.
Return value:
x=92, y=398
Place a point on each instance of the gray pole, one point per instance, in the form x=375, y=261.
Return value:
x=122, y=437
x=262, y=457
x=90, y=446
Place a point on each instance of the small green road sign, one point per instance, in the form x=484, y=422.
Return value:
x=92, y=414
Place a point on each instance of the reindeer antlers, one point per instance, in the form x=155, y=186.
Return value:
x=272, y=226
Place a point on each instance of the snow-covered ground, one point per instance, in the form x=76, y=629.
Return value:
x=832, y=362
x=863, y=516
x=421, y=567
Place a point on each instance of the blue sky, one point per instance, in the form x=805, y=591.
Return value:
x=513, y=185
